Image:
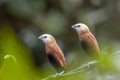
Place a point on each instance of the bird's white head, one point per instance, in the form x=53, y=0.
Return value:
x=80, y=27
x=46, y=38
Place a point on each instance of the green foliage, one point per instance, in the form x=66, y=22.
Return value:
x=19, y=67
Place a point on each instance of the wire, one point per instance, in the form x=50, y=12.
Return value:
x=85, y=67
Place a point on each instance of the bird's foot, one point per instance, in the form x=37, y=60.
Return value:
x=58, y=74
x=91, y=64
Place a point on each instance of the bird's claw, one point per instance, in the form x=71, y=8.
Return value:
x=57, y=74
x=91, y=64
x=61, y=73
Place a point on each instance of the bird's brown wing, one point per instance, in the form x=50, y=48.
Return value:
x=90, y=45
x=60, y=55
x=55, y=61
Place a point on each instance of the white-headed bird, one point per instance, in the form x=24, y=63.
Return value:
x=87, y=40
x=54, y=53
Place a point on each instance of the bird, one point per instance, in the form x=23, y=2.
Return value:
x=91, y=47
x=54, y=52
x=87, y=40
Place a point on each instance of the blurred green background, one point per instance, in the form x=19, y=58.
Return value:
x=22, y=21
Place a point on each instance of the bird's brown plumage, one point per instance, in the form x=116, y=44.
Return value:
x=88, y=40
x=55, y=54
x=90, y=45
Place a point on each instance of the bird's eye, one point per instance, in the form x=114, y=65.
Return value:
x=78, y=25
x=45, y=36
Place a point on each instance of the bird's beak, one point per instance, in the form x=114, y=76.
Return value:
x=73, y=27
x=40, y=37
